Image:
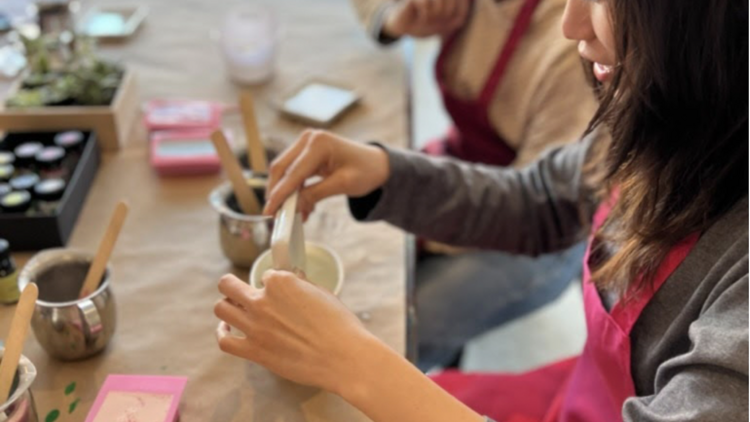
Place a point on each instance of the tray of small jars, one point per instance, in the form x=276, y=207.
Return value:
x=44, y=180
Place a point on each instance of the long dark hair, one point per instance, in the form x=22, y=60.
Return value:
x=677, y=112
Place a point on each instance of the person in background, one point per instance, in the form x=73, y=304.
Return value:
x=513, y=87
x=660, y=183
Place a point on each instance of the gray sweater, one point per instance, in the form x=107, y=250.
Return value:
x=690, y=345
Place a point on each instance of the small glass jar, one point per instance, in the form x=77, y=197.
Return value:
x=48, y=194
x=6, y=172
x=9, y=292
x=249, y=43
x=17, y=202
x=26, y=154
x=49, y=161
x=24, y=182
x=56, y=16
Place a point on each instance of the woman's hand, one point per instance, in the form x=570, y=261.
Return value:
x=424, y=18
x=346, y=167
x=295, y=329
x=303, y=333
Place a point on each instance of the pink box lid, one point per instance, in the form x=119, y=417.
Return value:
x=171, y=114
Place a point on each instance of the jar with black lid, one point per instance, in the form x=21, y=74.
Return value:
x=6, y=172
x=9, y=292
x=49, y=161
x=26, y=154
x=18, y=202
x=48, y=194
x=24, y=182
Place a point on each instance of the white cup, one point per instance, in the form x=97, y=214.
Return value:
x=249, y=39
x=324, y=268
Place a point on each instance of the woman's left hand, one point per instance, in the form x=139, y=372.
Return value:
x=295, y=329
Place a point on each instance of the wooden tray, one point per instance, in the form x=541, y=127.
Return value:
x=112, y=124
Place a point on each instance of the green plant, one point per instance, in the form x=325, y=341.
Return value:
x=66, y=72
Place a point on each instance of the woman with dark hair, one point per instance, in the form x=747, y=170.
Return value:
x=660, y=183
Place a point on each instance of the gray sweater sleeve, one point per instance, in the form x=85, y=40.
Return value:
x=529, y=211
x=709, y=380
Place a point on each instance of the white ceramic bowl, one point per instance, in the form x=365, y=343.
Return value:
x=324, y=268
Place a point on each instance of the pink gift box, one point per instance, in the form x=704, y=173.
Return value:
x=139, y=398
x=179, y=114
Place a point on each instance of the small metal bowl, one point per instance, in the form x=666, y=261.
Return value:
x=20, y=406
x=243, y=237
x=69, y=328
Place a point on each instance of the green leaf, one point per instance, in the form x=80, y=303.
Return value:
x=52, y=416
x=70, y=388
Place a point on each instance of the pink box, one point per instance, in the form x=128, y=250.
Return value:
x=139, y=398
x=183, y=153
x=175, y=114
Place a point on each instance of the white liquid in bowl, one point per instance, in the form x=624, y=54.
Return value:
x=323, y=268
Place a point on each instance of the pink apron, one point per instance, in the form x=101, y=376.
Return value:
x=473, y=138
x=589, y=388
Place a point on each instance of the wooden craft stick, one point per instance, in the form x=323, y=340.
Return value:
x=19, y=326
x=244, y=194
x=255, y=150
x=96, y=271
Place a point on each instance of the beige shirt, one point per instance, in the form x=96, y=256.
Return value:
x=543, y=101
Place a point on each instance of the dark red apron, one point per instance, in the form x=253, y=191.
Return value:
x=473, y=138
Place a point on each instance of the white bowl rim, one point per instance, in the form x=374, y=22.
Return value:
x=331, y=252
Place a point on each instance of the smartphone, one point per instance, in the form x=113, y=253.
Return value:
x=319, y=103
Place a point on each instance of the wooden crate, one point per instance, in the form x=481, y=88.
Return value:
x=113, y=124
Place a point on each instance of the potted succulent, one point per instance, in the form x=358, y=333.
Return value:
x=67, y=86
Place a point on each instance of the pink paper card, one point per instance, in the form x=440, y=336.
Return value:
x=137, y=398
x=179, y=114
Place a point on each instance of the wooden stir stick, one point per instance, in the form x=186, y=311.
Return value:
x=245, y=196
x=96, y=271
x=255, y=150
x=19, y=326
